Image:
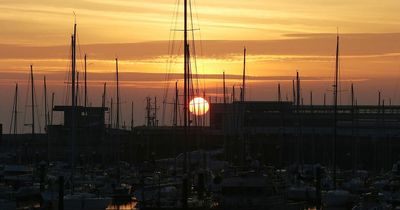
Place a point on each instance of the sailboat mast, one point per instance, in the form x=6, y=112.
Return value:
x=16, y=110
x=116, y=69
x=185, y=105
x=103, y=102
x=298, y=89
x=33, y=104
x=352, y=96
x=111, y=113
x=244, y=76
x=224, y=87
x=132, y=116
x=204, y=108
x=175, y=120
x=85, y=100
x=73, y=76
x=335, y=111
x=155, y=112
x=45, y=103
x=52, y=106
x=233, y=94
x=279, y=93
x=185, y=73
x=73, y=102
x=294, y=93
x=77, y=89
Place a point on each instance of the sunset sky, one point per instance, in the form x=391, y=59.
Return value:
x=281, y=36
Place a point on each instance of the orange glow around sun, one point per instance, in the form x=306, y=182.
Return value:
x=199, y=106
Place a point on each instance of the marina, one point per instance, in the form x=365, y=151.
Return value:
x=196, y=149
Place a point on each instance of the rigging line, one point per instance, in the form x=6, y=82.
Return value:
x=80, y=58
x=67, y=77
x=43, y=114
x=67, y=89
x=201, y=50
x=194, y=48
x=191, y=92
x=171, y=45
x=171, y=41
x=166, y=69
x=173, y=62
x=201, y=42
x=13, y=110
x=12, y=117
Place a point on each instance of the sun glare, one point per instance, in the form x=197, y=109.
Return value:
x=198, y=106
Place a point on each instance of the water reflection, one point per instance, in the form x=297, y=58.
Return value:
x=130, y=206
x=127, y=206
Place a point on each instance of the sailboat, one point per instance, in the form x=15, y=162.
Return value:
x=336, y=197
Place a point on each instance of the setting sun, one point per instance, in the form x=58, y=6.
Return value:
x=199, y=106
